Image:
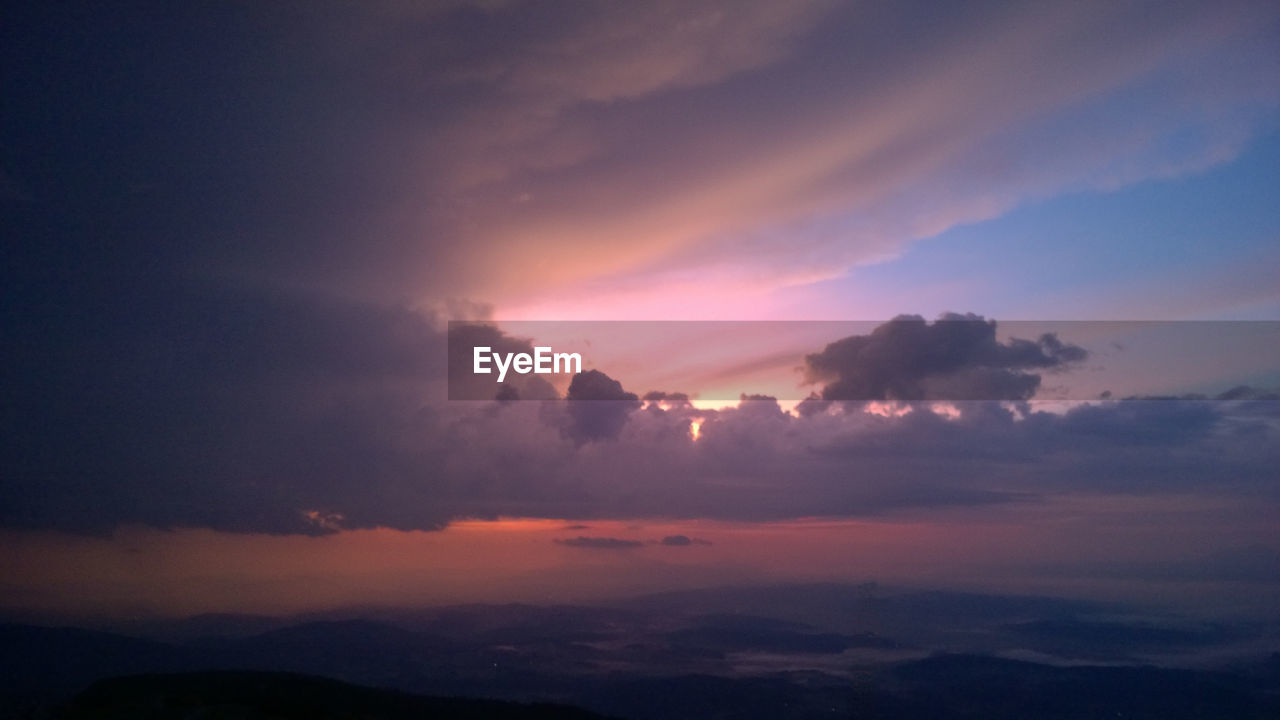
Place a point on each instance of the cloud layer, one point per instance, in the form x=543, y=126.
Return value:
x=306, y=416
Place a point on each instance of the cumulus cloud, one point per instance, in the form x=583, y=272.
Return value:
x=956, y=357
x=598, y=406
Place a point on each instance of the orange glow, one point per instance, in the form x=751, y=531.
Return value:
x=887, y=409
x=140, y=572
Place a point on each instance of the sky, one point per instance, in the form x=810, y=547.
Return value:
x=236, y=234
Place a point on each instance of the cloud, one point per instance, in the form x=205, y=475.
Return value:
x=598, y=406
x=289, y=413
x=682, y=541
x=245, y=346
x=955, y=358
x=806, y=161
x=554, y=62
x=672, y=398
x=405, y=156
x=237, y=409
x=599, y=543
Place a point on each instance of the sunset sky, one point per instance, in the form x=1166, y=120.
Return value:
x=236, y=232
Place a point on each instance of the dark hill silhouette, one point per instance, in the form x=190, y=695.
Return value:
x=284, y=696
x=46, y=662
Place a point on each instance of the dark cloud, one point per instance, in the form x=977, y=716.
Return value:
x=595, y=385
x=956, y=357
x=672, y=398
x=812, y=405
x=682, y=541
x=599, y=543
x=598, y=406
x=1135, y=423
x=233, y=409
x=465, y=384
